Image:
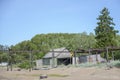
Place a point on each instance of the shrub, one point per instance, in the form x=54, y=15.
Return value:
x=24, y=65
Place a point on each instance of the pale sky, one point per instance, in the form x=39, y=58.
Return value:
x=22, y=19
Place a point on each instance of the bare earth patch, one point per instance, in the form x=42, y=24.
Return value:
x=65, y=73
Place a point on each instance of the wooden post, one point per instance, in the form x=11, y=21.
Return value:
x=96, y=57
x=112, y=56
x=89, y=55
x=11, y=59
x=11, y=65
x=52, y=58
x=75, y=57
x=71, y=60
x=8, y=55
x=30, y=59
x=107, y=54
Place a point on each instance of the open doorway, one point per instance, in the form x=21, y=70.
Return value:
x=64, y=61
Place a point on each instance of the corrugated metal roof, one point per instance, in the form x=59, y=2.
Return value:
x=58, y=53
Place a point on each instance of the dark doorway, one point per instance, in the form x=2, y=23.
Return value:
x=82, y=59
x=64, y=61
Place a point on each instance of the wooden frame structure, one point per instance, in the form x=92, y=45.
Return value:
x=96, y=51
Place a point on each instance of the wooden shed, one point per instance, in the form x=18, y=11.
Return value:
x=55, y=57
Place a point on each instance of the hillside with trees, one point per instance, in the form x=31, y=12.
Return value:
x=45, y=42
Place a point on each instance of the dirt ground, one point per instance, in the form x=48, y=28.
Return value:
x=66, y=73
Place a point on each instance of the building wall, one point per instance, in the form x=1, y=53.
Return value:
x=46, y=62
x=39, y=64
x=90, y=58
x=51, y=63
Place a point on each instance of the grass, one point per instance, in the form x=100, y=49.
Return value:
x=115, y=64
x=100, y=65
x=49, y=75
x=57, y=75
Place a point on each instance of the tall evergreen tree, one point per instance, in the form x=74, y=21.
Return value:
x=105, y=33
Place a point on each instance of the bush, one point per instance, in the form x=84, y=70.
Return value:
x=24, y=65
x=117, y=55
x=115, y=63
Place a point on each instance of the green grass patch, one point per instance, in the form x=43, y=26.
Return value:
x=115, y=63
x=35, y=75
x=57, y=75
x=100, y=65
x=49, y=75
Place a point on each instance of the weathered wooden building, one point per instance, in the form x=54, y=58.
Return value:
x=55, y=57
x=62, y=56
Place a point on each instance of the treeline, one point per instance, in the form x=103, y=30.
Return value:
x=45, y=42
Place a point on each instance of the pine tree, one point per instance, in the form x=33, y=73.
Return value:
x=105, y=33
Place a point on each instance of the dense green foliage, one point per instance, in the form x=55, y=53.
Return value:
x=45, y=42
x=70, y=41
x=105, y=33
x=3, y=55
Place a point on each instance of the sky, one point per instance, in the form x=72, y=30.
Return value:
x=22, y=19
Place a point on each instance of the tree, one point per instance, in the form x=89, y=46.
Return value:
x=3, y=55
x=105, y=33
